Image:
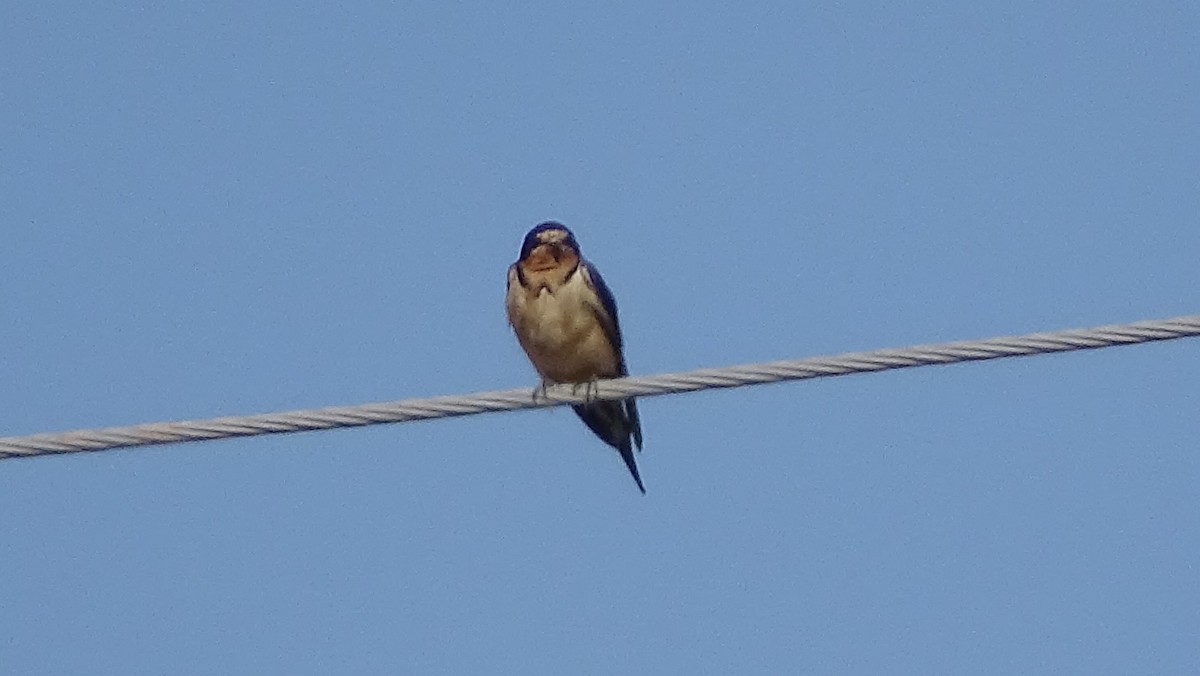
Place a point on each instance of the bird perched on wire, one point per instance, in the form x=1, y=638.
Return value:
x=566, y=321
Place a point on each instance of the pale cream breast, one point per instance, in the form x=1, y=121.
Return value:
x=559, y=330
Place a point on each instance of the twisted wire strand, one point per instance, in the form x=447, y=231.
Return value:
x=668, y=383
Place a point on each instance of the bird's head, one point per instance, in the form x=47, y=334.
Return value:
x=549, y=246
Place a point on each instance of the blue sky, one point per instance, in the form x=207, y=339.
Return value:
x=231, y=208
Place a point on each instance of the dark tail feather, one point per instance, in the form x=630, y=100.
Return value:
x=626, y=452
x=610, y=421
x=635, y=421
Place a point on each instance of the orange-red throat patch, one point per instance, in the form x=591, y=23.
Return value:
x=551, y=256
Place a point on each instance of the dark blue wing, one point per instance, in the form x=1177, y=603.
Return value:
x=612, y=328
x=608, y=319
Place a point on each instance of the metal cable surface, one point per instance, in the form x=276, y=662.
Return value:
x=669, y=383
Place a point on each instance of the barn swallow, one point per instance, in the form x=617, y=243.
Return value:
x=566, y=321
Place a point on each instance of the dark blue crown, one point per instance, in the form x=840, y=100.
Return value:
x=532, y=240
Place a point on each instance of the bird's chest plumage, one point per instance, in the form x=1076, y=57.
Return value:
x=558, y=328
